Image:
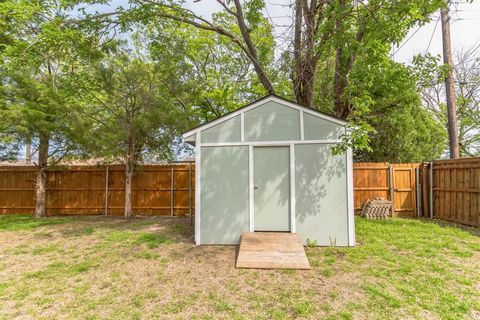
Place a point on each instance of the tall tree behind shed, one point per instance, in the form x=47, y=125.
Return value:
x=129, y=112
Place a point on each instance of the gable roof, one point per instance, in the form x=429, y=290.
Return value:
x=258, y=103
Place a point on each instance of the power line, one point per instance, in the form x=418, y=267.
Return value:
x=433, y=33
x=404, y=43
x=475, y=49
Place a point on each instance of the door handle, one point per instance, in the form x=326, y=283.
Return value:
x=255, y=188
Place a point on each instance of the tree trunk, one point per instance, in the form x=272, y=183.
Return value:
x=129, y=161
x=41, y=179
x=252, y=51
x=28, y=152
x=128, y=188
x=304, y=55
x=341, y=108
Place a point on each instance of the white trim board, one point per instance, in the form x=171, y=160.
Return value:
x=242, y=127
x=251, y=186
x=302, y=126
x=350, y=204
x=269, y=143
x=198, y=186
x=293, y=222
x=257, y=104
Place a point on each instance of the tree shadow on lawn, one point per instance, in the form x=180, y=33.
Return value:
x=447, y=224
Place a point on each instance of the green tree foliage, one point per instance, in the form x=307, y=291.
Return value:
x=339, y=49
x=127, y=106
x=207, y=70
x=401, y=129
x=342, y=45
x=431, y=83
x=38, y=55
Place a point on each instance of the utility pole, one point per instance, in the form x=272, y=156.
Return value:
x=450, y=89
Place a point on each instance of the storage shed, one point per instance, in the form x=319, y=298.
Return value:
x=269, y=166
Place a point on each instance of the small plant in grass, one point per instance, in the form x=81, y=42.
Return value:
x=119, y=236
x=327, y=272
x=224, y=306
x=175, y=307
x=3, y=288
x=153, y=240
x=149, y=255
x=83, y=266
x=46, y=249
x=278, y=314
x=303, y=309
x=333, y=295
x=178, y=228
x=21, y=249
x=325, y=307
x=342, y=315
x=88, y=230
x=311, y=243
x=51, y=271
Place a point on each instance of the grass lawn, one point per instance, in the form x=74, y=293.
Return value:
x=94, y=267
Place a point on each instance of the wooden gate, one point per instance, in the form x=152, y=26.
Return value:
x=404, y=189
x=395, y=182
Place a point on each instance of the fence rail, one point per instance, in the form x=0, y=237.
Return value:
x=446, y=189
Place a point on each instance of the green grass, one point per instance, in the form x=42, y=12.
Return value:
x=26, y=222
x=95, y=267
x=303, y=309
x=154, y=239
x=411, y=267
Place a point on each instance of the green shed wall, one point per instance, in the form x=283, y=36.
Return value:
x=224, y=194
x=316, y=128
x=321, y=194
x=272, y=122
x=228, y=131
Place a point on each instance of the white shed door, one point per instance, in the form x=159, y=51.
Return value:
x=271, y=195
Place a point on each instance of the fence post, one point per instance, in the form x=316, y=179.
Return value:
x=390, y=186
x=171, y=190
x=418, y=193
x=106, y=192
x=430, y=182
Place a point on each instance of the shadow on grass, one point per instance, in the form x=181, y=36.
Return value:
x=447, y=224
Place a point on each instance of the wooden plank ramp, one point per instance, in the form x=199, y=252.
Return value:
x=272, y=250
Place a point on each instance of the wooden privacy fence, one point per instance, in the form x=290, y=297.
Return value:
x=156, y=190
x=399, y=183
x=456, y=190
x=445, y=189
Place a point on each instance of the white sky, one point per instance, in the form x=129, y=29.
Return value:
x=464, y=29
